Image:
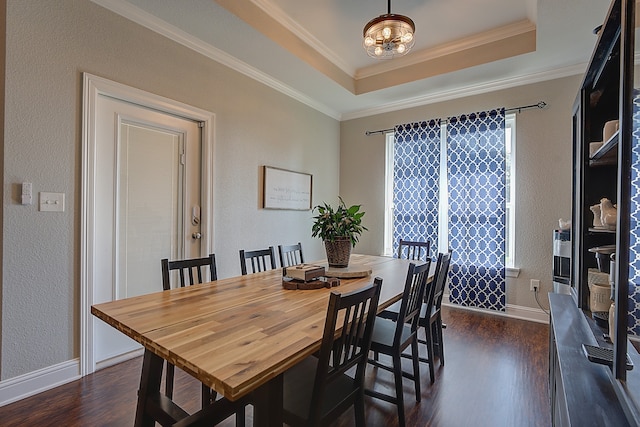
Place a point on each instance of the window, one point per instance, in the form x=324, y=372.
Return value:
x=510, y=143
x=510, y=146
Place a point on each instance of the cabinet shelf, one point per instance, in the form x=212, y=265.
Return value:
x=601, y=230
x=607, y=154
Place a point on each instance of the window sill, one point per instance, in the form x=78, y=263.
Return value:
x=512, y=272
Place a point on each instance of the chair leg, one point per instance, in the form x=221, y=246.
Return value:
x=397, y=374
x=430, y=352
x=440, y=341
x=240, y=421
x=358, y=407
x=416, y=368
x=168, y=381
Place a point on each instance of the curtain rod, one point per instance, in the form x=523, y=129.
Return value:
x=539, y=105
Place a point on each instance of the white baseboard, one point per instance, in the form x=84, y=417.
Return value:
x=35, y=382
x=513, y=311
x=120, y=358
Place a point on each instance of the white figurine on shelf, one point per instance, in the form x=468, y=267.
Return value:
x=608, y=214
x=565, y=224
x=597, y=222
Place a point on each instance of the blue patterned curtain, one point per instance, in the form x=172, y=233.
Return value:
x=477, y=213
x=416, y=183
x=634, y=243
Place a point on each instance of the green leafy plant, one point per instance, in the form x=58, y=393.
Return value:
x=342, y=222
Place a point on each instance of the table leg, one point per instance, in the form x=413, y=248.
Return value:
x=267, y=403
x=150, y=380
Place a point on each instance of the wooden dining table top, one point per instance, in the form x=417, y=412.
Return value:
x=236, y=334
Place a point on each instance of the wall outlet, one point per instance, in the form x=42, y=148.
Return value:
x=534, y=285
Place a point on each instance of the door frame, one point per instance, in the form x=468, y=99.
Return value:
x=93, y=87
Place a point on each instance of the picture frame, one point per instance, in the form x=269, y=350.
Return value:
x=286, y=189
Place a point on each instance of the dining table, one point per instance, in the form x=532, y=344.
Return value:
x=236, y=335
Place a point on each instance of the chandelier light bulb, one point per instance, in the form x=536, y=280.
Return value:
x=406, y=38
x=388, y=35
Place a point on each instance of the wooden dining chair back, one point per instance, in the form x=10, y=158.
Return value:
x=414, y=251
x=318, y=390
x=431, y=314
x=392, y=337
x=259, y=260
x=191, y=271
x=290, y=255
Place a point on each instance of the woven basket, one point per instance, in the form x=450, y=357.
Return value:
x=338, y=252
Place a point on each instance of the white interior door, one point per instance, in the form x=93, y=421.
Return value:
x=147, y=207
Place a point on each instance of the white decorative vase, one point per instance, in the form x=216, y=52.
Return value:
x=608, y=213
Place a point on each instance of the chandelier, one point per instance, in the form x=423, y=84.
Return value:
x=389, y=35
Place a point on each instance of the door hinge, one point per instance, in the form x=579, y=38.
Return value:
x=200, y=124
x=182, y=162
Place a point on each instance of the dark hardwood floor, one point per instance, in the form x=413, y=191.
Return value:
x=496, y=374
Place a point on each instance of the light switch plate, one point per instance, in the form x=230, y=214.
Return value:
x=51, y=202
x=27, y=194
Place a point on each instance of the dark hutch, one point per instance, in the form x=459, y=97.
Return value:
x=593, y=381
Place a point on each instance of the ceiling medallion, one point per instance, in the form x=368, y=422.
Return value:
x=389, y=35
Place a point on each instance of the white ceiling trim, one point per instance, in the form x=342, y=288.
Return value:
x=141, y=17
x=476, y=89
x=286, y=21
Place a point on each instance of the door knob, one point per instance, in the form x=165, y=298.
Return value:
x=196, y=235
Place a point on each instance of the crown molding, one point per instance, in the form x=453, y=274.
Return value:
x=475, y=89
x=141, y=17
x=285, y=20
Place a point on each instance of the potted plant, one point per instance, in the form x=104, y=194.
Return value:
x=340, y=229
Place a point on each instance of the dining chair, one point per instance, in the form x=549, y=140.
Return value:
x=412, y=250
x=190, y=272
x=431, y=314
x=191, y=269
x=391, y=338
x=290, y=255
x=318, y=389
x=260, y=260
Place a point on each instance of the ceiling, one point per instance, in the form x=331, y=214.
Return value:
x=312, y=50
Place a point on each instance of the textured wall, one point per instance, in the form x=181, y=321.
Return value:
x=543, y=171
x=49, y=45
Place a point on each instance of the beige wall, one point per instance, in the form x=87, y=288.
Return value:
x=543, y=172
x=49, y=45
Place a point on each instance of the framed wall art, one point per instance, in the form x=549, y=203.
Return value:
x=285, y=189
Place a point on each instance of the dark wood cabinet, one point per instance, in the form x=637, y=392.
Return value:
x=583, y=392
x=595, y=174
x=605, y=94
